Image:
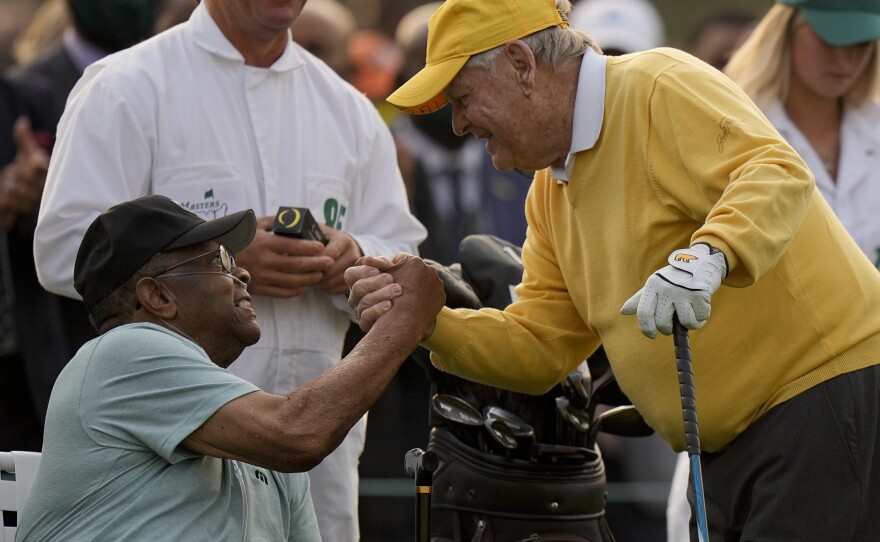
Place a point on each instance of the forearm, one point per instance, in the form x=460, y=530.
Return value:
x=744, y=187
x=508, y=351
x=294, y=433
x=752, y=229
x=329, y=405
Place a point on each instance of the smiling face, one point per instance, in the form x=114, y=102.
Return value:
x=213, y=308
x=825, y=70
x=486, y=107
x=510, y=111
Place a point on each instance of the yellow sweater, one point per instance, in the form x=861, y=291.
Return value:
x=683, y=157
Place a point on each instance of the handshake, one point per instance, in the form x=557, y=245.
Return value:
x=684, y=287
x=405, y=288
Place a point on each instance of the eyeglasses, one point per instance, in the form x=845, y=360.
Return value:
x=226, y=260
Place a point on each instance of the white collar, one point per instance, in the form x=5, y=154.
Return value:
x=589, y=109
x=207, y=35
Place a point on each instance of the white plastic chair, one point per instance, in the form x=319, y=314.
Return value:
x=17, y=472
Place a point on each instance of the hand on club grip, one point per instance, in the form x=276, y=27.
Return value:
x=683, y=287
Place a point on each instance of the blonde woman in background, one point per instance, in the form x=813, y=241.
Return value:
x=812, y=66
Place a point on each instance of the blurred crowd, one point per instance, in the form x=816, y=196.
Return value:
x=452, y=186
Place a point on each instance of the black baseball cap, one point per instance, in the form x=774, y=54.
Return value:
x=127, y=235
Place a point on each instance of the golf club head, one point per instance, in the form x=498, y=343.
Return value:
x=575, y=417
x=518, y=426
x=501, y=433
x=456, y=409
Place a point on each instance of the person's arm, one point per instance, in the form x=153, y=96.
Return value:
x=533, y=343
x=747, y=190
x=528, y=347
x=724, y=167
x=295, y=432
x=103, y=155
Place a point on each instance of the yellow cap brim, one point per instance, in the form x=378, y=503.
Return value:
x=423, y=93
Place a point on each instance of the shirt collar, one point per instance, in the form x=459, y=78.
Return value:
x=589, y=109
x=209, y=37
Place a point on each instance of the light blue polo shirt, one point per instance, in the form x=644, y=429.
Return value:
x=112, y=467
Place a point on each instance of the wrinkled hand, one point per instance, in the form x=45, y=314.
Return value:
x=344, y=251
x=283, y=266
x=415, y=309
x=683, y=287
x=370, y=289
x=22, y=181
x=406, y=286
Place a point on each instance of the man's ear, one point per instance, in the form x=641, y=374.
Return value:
x=154, y=298
x=522, y=61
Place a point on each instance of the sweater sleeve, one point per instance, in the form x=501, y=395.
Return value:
x=103, y=156
x=534, y=342
x=746, y=186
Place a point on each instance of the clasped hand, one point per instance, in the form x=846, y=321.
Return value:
x=377, y=284
x=684, y=287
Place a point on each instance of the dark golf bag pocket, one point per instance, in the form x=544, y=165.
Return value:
x=481, y=497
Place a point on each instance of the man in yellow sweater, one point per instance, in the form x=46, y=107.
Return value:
x=660, y=187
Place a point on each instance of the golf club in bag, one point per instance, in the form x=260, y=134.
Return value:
x=512, y=466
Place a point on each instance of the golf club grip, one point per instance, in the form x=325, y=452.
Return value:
x=686, y=386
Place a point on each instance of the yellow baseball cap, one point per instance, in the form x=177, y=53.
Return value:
x=462, y=28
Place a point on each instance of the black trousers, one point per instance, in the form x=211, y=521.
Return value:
x=808, y=470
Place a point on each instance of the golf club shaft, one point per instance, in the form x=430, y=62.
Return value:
x=691, y=429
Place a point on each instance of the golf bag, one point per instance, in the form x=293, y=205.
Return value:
x=481, y=496
x=514, y=466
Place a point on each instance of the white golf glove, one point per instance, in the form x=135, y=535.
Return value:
x=683, y=287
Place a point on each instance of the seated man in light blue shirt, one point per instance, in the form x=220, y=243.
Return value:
x=148, y=436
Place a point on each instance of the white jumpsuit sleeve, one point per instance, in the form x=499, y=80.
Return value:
x=102, y=157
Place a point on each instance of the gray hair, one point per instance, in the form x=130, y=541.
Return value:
x=554, y=46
